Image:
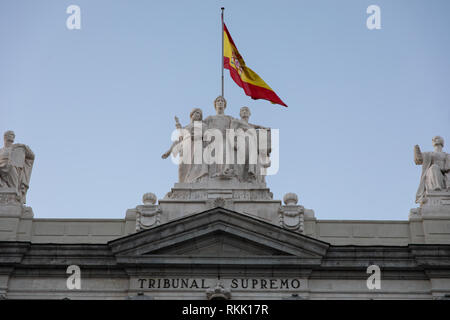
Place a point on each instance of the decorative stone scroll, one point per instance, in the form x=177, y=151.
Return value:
x=219, y=202
x=205, y=194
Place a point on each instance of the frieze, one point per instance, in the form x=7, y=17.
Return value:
x=239, y=194
x=152, y=284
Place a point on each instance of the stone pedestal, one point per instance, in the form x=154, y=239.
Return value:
x=254, y=199
x=437, y=202
x=292, y=215
x=16, y=218
x=431, y=221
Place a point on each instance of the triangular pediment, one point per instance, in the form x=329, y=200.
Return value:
x=219, y=244
x=217, y=233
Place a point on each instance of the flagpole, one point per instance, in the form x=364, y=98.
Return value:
x=221, y=58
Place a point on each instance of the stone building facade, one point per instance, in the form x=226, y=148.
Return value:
x=224, y=238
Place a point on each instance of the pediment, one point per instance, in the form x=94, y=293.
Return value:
x=219, y=244
x=218, y=233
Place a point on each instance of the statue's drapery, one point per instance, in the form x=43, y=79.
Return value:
x=190, y=170
x=433, y=177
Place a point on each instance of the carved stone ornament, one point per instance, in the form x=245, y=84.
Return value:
x=218, y=292
x=149, y=214
x=291, y=215
x=219, y=202
x=194, y=145
x=290, y=199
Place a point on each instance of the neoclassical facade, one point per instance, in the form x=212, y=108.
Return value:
x=219, y=234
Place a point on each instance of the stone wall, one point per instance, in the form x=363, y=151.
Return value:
x=144, y=264
x=335, y=232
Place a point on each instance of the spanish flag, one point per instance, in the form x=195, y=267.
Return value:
x=246, y=78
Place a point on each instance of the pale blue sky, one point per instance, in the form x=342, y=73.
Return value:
x=96, y=105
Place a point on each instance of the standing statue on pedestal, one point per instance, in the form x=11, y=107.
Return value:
x=263, y=149
x=220, y=122
x=435, y=169
x=255, y=164
x=16, y=163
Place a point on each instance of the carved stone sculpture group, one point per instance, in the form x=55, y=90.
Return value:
x=194, y=165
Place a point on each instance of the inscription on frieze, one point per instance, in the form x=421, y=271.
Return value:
x=145, y=284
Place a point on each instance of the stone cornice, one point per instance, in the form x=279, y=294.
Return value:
x=275, y=249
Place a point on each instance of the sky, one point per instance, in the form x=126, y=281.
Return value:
x=96, y=105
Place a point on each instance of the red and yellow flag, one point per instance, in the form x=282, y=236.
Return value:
x=246, y=78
